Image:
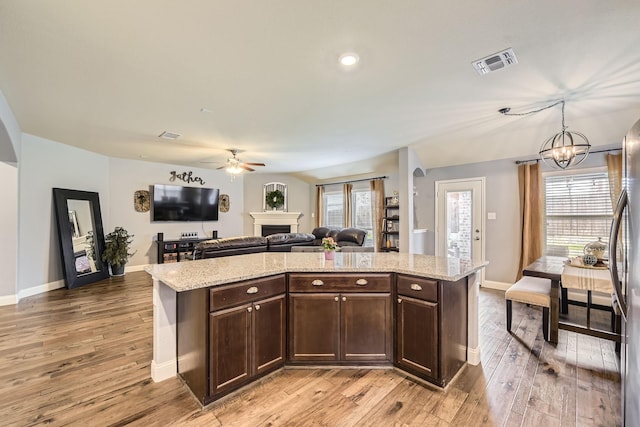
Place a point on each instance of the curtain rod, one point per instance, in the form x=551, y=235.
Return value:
x=355, y=180
x=519, y=162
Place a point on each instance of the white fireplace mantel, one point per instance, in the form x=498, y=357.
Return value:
x=274, y=218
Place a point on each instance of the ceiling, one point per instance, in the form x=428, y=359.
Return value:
x=110, y=76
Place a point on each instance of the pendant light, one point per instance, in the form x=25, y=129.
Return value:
x=565, y=149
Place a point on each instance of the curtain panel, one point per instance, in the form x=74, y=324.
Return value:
x=531, y=196
x=347, y=204
x=319, y=217
x=377, y=211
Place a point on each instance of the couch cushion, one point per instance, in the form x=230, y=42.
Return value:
x=286, y=238
x=351, y=237
x=322, y=232
x=231, y=243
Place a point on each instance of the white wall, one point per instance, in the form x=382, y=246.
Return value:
x=46, y=164
x=127, y=176
x=300, y=194
x=502, y=245
x=9, y=229
x=10, y=133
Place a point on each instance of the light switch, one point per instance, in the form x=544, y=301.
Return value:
x=491, y=215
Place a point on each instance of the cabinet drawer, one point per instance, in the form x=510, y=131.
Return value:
x=244, y=292
x=417, y=287
x=320, y=282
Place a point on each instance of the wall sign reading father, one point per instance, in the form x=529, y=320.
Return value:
x=185, y=176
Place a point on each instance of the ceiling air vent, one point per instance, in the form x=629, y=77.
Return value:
x=169, y=135
x=495, y=62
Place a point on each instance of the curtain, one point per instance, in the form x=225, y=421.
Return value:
x=346, y=197
x=530, y=183
x=377, y=210
x=614, y=171
x=319, y=217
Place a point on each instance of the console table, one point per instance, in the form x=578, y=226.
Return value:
x=176, y=250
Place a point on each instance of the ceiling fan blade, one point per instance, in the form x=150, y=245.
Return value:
x=245, y=167
x=254, y=164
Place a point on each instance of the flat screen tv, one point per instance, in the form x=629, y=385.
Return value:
x=177, y=203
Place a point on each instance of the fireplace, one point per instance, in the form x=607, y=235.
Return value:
x=267, y=230
x=262, y=220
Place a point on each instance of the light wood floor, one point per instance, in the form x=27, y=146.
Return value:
x=82, y=357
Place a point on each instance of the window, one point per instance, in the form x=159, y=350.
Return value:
x=577, y=211
x=333, y=209
x=360, y=212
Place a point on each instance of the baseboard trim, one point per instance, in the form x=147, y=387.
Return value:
x=473, y=356
x=500, y=286
x=135, y=268
x=164, y=371
x=35, y=290
x=8, y=300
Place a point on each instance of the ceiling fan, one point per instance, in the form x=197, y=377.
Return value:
x=235, y=166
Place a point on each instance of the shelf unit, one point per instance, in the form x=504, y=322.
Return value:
x=390, y=225
x=176, y=250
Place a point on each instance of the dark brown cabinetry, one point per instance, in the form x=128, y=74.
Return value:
x=243, y=334
x=431, y=327
x=340, y=318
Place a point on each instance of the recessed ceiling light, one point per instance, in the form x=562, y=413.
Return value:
x=349, y=59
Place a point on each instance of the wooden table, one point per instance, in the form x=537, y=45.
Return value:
x=552, y=267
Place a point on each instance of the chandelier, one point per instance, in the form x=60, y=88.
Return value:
x=565, y=148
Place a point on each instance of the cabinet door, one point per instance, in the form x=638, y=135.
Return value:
x=269, y=334
x=314, y=333
x=417, y=336
x=229, y=348
x=366, y=327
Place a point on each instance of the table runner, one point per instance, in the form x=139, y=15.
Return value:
x=587, y=278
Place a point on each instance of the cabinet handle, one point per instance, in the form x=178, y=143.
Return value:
x=252, y=290
x=335, y=299
x=361, y=282
x=257, y=306
x=344, y=298
x=416, y=287
x=249, y=309
x=317, y=282
x=399, y=300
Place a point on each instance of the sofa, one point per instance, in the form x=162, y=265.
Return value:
x=279, y=242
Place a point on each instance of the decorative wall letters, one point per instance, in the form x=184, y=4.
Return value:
x=185, y=177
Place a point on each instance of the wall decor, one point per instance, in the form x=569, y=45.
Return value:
x=185, y=177
x=141, y=201
x=274, y=196
x=224, y=203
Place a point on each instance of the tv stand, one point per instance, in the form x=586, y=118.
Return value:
x=176, y=250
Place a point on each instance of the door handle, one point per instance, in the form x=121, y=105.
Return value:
x=249, y=309
x=361, y=282
x=415, y=287
x=399, y=300
x=257, y=306
x=252, y=290
x=344, y=298
x=335, y=298
x=477, y=238
x=317, y=282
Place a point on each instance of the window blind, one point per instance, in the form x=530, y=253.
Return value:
x=577, y=211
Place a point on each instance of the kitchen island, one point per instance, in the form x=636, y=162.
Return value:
x=222, y=322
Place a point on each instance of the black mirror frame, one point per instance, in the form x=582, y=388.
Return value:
x=65, y=233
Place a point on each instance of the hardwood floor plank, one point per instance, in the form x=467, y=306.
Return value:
x=82, y=357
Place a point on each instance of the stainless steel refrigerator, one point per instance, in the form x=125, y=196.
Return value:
x=624, y=255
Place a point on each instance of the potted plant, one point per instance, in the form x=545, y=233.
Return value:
x=274, y=199
x=116, y=250
x=329, y=246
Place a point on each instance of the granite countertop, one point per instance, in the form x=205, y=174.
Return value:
x=184, y=276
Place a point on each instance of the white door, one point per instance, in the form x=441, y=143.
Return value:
x=460, y=218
